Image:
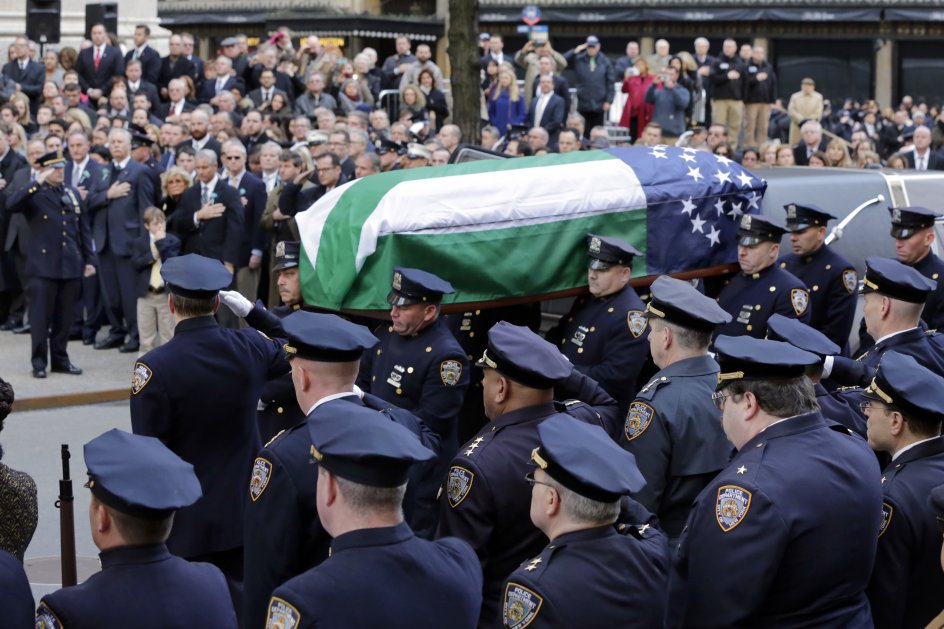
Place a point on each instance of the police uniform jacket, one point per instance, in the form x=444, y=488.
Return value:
x=673, y=430
x=580, y=581
x=913, y=342
x=283, y=535
x=750, y=299
x=907, y=582
x=833, y=285
x=842, y=407
x=198, y=394
x=605, y=338
x=61, y=240
x=785, y=535
x=486, y=500
x=117, y=223
x=141, y=586
x=16, y=598
x=384, y=577
x=932, y=267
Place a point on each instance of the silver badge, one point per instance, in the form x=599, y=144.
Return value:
x=397, y=280
x=746, y=221
x=896, y=216
x=595, y=245
x=280, y=249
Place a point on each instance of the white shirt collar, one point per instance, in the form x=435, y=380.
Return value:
x=199, y=144
x=911, y=445
x=336, y=396
x=77, y=165
x=888, y=336
x=238, y=177
x=212, y=185
x=123, y=164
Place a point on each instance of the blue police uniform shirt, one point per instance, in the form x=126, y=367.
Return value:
x=913, y=342
x=581, y=579
x=750, y=299
x=907, y=581
x=674, y=431
x=283, y=536
x=833, y=285
x=16, y=598
x=142, y=586
x=606, y=338
x=384, y=577
x=932, y=267
x=785, y=535
x=198, y=394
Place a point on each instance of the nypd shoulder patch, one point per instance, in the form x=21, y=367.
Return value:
x=140, y=377
x=450, y=371
x=850, y=280
x=45, y=618
x=637, y=419
x=636, y=320
x=521, y=606
x=732, y=506
x=800, y=299
x=887, y=512
x=261, y=473
x=458, y=485
x=282, y=614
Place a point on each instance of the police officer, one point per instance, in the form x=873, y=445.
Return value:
x=840, y=406
x=137, y=484
x=797, y=494
x=672, y=425
x=61, y=253
x=913, y=231
x=283, y=537
x=391, y=154
x=580, y=579
x=141, y=144
x=831, y=278
x=894, y=296
x=379, y=573
x=762, y=287
x=485, y=498
x=198, y=394
x=16, y=598
x=904, y=407
x=604, y=334
x=418, y=364
x=936, y=500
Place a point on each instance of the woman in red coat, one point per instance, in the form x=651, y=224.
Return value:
x=637, y=113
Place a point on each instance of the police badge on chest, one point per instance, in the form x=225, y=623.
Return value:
x=745, y=314
x=396, y=376
x=580, y=335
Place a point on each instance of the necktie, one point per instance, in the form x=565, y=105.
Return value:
x=22, y=66
x=98, y=58
x=267, y=96
x=117, y=170
x=220, y=82
x=156, y=279
x=921, y=163
x=539, y=110
x=76, y=175
x=204, y=195
x=137, y=54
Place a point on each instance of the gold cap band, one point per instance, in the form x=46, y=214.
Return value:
x=732, y=375
x=872, y=285
x=288, y=348
x=655, y=311
x=488, y=362
x=315, y=453
x=873, y=388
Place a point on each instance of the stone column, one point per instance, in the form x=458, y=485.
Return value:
x=884, y=73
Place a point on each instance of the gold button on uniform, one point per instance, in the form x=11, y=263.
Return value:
x=815, y=287
x=750, y=327
x=399, y=391
x=829, y=266
x=279, y=410
x=409, y=369
x=757, y=307
x=773, y=288
x=429, y=349
x=580, y=350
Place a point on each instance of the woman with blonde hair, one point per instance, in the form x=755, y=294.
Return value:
x=768, y=154
x=506, y=106
x=81, y=117
x=837, y=154
x=21, y=102
x=785, y=155
x=412, y=101
x=174, y=182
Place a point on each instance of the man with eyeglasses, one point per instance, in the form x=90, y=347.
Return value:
x=295, y=198
x=252, y=196
x=671, y=426
x=579, y=579
x=786, y=534
x=339, y=143
x=485, y=500
x=904, y=407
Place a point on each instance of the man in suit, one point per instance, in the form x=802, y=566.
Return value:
x=199, y=133
x=266, y=91
x=315, y=97
x=137, y=84
x=187, y=42
x=269, y=60
x=209, y=218
x=90, y=179
x=17, y=241
x=547, y=66
x=72, y=94
x=10, y=289
x=923, y=158
x=115, y=227
x=149, y=58
x=547, y=109
x=173, y=66
x=226, y=80
x=28, y=75
x=97, y=65
x=812, y=133
x=178, y=104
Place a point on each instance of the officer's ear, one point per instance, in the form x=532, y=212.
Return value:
x=929, y=237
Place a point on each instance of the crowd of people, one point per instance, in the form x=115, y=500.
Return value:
x=464, y=470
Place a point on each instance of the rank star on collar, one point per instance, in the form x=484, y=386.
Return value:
x=533, y=565
x=474, y=445
x=741, y=470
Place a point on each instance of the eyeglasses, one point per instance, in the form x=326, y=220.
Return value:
x=232, y=157
x=328, y=169
x=718, y=398
x=533, y=481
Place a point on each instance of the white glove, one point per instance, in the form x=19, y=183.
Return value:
x=236, y=302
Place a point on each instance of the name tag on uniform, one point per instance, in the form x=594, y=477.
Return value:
x=724, y=66
x=752, y=69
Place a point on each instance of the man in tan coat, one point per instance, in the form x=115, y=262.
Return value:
x=529, y=58
x=807, y=104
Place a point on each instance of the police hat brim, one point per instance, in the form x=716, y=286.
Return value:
x=794, y=227
x=751, y=240
x=288, y=264
x=596, y=264
x=900, y=232
x=400, y=300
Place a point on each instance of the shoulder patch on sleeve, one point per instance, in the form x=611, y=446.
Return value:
x=638, y=419
x=850, y=280
x=636, y=320
x=45, y=618
x=458, y=485
x=521, y=606
x=732, y=506
x=887, y=512
x=800, y=299
x=261, y=473
x=450, y=371
x=282, y=615
x=140, y=377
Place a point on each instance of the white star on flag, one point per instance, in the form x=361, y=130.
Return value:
x=735, y=211
x=697, y=225
x=688, y=157
x=695, y=173
x=752, y=201
x=719, y=206
x=723, y=177
x=688, y=207
x=713, y=236
x=745, y=180
x=658, y=154
x=724, y=160
x=689, y=149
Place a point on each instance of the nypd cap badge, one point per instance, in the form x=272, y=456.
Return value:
x=594, y=245
x=732, y=506
x=521, y=606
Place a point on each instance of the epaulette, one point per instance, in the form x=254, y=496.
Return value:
x=535, y=567
x=475, y=447
x=639, y=531
x=649, y=391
